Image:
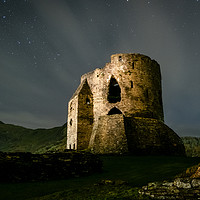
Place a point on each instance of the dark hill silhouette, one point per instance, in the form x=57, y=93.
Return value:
x=19, y=139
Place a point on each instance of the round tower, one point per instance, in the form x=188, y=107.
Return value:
x=139, y=79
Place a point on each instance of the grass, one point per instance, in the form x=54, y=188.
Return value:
x=136, y=170
x=19, y=139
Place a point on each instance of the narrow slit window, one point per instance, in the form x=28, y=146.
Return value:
x=120, y=58
x=133, y=65
x=74, y=146
x=70, y=122
x=70, y=146
x=87, y=101
x=131, y=84
x=146, y=94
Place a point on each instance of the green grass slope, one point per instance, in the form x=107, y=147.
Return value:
x=19, y=139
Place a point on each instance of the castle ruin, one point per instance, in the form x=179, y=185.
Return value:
x=119, y=109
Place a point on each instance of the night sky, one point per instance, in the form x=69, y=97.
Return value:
x=46, y=45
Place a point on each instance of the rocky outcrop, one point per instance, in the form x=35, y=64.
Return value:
x=31, y=167
x=180, y=188
x=185, y=186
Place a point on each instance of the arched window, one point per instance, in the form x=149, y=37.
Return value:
x=114, y=94
x=114, y=111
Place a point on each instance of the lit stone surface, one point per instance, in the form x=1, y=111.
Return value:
x=119, y=109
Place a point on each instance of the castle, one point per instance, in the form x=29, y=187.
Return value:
x=119, y=109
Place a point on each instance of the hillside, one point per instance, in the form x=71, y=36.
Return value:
x=19, y=139
x=192, y=146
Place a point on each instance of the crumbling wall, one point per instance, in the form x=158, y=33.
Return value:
x=139, y=81
x=85, y=117
x=34, y=167
x=127, y=110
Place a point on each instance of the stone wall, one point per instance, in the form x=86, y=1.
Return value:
x=136, y=135
x=152, y=137
x=109, y=135
x=129, y=86
x=85, y=117
x=72, y=123
x=34, y=167
x=139, y=79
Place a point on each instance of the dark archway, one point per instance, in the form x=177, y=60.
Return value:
x=114, y=111
x=114, y=94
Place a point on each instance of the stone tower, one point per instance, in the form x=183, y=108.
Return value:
x=118, y=109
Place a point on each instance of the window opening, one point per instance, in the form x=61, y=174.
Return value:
x=133, y=65
x=147, y=94
x=114, y=111
x=131, y=84
x=70, y=146
x=87, y=101
x=70, y=122
x=71, y=106
x=120, y=58
x=74, y=146
x=114, y=94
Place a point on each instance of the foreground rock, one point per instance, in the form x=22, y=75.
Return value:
x=31, y=167
x=185, y=186
x=177, y=189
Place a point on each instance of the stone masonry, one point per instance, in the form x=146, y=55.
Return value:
x=118, y=109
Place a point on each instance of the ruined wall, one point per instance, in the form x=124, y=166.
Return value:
x=85, y=117
x=125, y=112
x=22, y=166
x=139, y=80
x=72, y=123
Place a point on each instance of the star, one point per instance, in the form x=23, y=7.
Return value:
x=4, y=16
